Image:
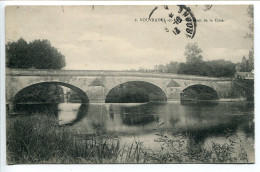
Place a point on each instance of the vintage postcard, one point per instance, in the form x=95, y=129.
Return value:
x=110, y=84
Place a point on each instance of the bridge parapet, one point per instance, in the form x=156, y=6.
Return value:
x=52, y=72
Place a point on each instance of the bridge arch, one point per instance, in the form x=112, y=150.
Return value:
x=199, y=92
x=135, y=92
x=82, y=95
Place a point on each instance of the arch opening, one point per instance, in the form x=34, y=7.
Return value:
x=198, y=92
x=135, y=92
x=48, y=92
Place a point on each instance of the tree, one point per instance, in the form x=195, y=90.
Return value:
x=244, y=65
x=196, y=66
x=37, y=54
x=247, y=65
x=250, y=35
x=172, y=67
x=17, y=55
x=220, y=68
x=160, y=68
x=251, y=59
x=193, y=53
x=193, y=69
x=250, y=12
x=194, y=63
x=44, y=93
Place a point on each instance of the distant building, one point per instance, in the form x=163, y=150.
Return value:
x=245, y=75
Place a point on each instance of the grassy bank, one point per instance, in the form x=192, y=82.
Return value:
x=38, y=139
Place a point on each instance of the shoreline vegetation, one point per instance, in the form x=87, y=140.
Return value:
x=37, y=139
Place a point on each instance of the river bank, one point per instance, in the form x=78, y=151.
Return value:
x=37, y=138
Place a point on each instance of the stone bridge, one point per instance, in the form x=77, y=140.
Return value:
x=96, y=85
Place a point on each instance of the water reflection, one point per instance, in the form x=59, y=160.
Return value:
x=200, y=103
x=65, y=113
x=81, y=113
x=199, y=119
x=30, y=108
x=196, y=122
x=199, y=135
x=140, y=115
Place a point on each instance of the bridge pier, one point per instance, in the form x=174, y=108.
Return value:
x=96, y=94
x=96, y=101
x=173, y=93
x=9, y=108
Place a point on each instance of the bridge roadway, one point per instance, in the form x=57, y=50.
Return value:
x=97, y=84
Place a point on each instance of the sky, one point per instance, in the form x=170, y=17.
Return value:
x=115, y=38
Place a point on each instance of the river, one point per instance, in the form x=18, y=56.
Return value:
x=201, y=122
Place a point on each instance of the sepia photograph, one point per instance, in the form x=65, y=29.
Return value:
x=129, y=84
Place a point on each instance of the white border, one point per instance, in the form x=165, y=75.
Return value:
x=127, y=167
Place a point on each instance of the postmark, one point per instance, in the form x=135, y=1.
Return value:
x=177, y=21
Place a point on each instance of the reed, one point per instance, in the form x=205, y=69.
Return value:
x=38, y=139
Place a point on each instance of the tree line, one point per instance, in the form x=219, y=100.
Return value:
x=38, y=54
x=195, y=65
